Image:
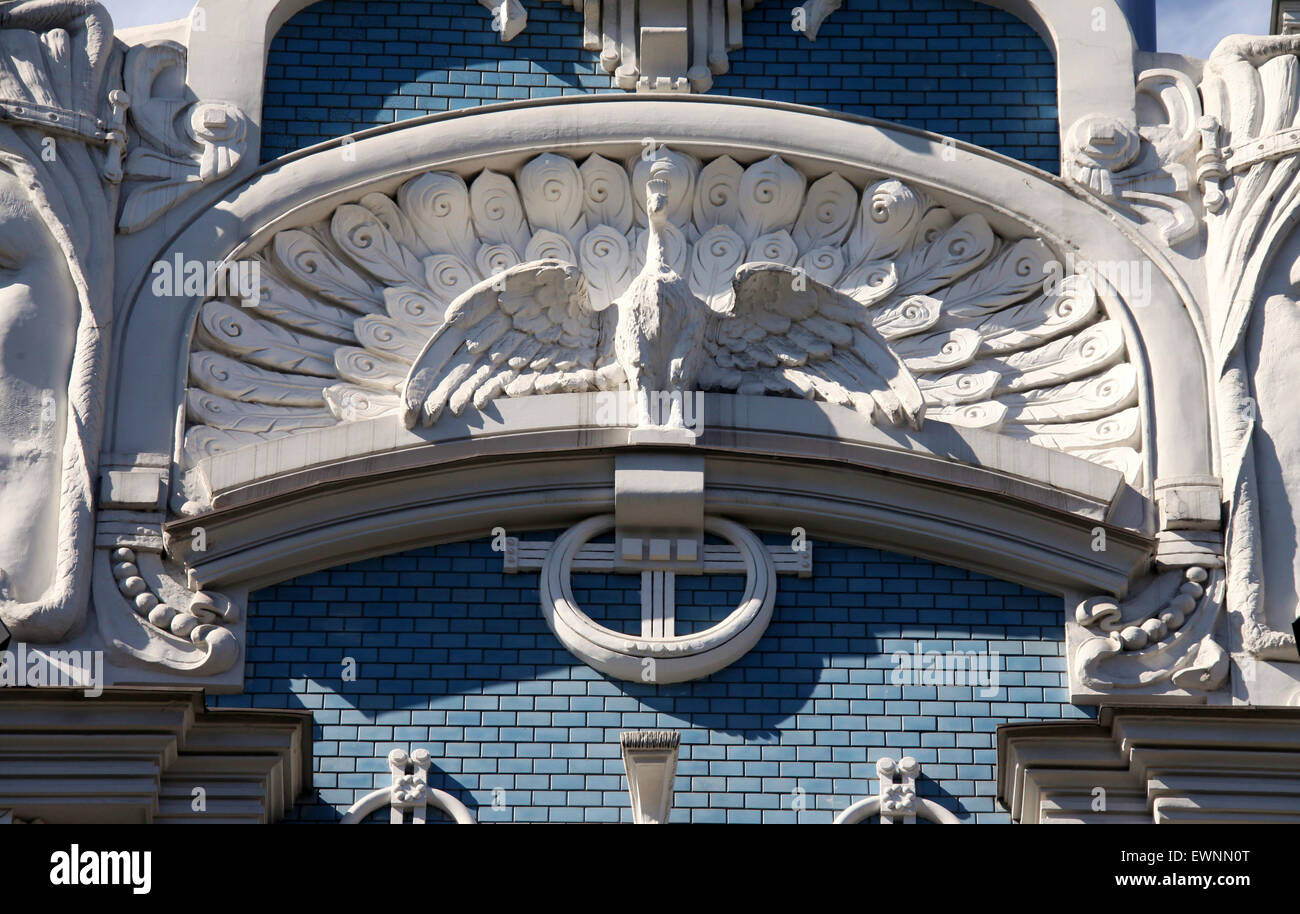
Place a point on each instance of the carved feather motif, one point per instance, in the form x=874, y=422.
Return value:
x=456, y=290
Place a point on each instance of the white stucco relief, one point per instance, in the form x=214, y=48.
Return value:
x=61, y=144
x=1250, y=92
x=672, y=46
x=67, y=146
x=848, y=284
x=179, y=143
x=451, y=293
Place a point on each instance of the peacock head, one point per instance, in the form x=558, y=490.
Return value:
x=657, y=188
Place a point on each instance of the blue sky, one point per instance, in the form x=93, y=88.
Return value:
x=1186, y=26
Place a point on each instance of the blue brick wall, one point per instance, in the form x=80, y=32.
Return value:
x=954, y=67
x=454, y=655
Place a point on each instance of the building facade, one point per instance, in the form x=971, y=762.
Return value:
x=662, y=410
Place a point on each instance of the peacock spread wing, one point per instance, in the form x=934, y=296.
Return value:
x=531, y=329
x=787, y=333
x=348, y=304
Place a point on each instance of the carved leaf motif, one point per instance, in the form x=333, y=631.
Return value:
x=824, y=264
x=361, y=366
x=218, y=412
x=549, y=245
x=606, y=261
x=771, y=193
x=495, y=258
x=989, y=415
x=914, y=314
x=202, y=441
x=888, y=217
x=438, y=205
x=1015, y=273
x=870, y=282
x=1091, y=398
x=827, y=214
x=396, y=222
x=305, y=259
x=959, y=387
x=776, y=247
x=363, y=238
x=289, y=307
x=717, y=198
x=238, y=332
x=552, y=192
x=438, y=208
x=389, y=338
x=237, y=380
x=447, y=276
x=1123, y=429
x=352, y=404
x=1066, y=359
x=951, y=255
x=606, y=194
x=498, y=213
x=713, y=264
x=414, y=306
x=938, y=351
x=1069, y=308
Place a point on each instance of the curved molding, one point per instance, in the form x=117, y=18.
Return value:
x=896, y=800
x=1161, y=641
x=378, y=799
x=1094, y=65
x=771, y=465
x=303, y=190
x=142, y=631
x=658, y=659
x=409, y=790
x=418, y=303
x=926, y=809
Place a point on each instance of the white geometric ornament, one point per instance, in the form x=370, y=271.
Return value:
x=659, y=654
x=650, y=759
x=662, y=45
x=409, y=792
x=897, y=802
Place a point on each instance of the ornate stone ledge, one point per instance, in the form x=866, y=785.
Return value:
x=1145, y=765
x=137, y=756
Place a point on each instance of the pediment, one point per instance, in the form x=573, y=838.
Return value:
x=995, y=332
x=878, y=261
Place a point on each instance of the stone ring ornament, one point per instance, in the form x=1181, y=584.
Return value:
x=671, y=658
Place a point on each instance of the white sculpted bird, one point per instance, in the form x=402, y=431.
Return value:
x=535, y=329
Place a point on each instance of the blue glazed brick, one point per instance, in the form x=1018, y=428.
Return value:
x=804, y=715
x=956, y=68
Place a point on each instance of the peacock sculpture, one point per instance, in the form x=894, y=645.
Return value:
x=666, y=274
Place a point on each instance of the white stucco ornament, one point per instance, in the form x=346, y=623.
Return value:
x=409, y=794
x=661, y=45
x=743, y=279
x=61, y=143
x=664, y=336
x=658, y=653
x=896, y=802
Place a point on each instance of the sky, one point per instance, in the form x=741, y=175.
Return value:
x=1190, y=27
